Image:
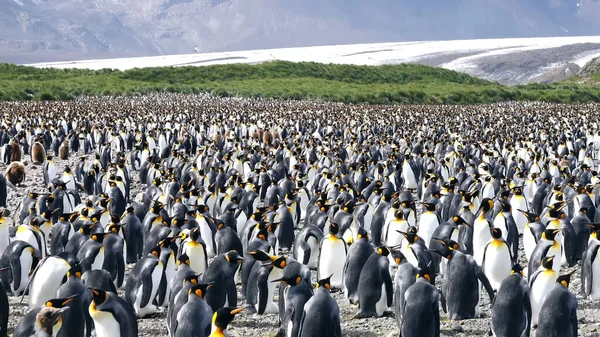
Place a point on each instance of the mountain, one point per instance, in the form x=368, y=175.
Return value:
x=52, y=30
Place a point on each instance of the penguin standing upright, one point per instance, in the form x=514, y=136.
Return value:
x=194, y=318
x=48, y=278
x=49, y=170
x=358, y=254
x=221, y=274
x=321, y=315
x=375, y=287
x=482, y=230
x=17, y=262
x=511, y=308
x=460, y=287
x=421, y=304
x=195, y=249
x=332, y=257
x=112, y=316
x=143, y=282
x=221, y=319
x=297, y=293
x=546, y=246
x=497, y=259
x=540, y=283
x=558, y=316
x=590, y=269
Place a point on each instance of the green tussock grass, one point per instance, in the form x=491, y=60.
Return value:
x=389, y=84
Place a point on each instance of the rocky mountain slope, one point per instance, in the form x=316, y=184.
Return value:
x=48, y=30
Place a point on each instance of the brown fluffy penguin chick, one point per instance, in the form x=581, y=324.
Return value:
x=267, y=137
x=16, y=153
x=38, y=153
x=47, y=321
x=63, y=151
x=15, y=173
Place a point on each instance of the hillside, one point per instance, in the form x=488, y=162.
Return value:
x=52, y=30
x=397, y=84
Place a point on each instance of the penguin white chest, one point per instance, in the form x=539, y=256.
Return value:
x=481, y=236
x=197, y=256
x=539, y=290
x=429, y=223
x=207, y=235
x=105, y=324
x=393, y=238
x=381, y=305
x=595, y=286
x=529, y=241
x=498, y=264
x=333, y=258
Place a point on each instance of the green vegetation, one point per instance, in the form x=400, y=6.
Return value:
x=397, y=84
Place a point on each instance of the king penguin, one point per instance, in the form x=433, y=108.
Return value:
x=321, y=315
x=590, y=272
x=143, y=282
x=541, y=282
x=421, y=305
x=558, y=316
x=358, y=254
x=112, y=316
x=332, y=257
x=497, y=259
x=511, y=308
x=375, y=287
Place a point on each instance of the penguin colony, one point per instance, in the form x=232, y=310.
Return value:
x=199, y=210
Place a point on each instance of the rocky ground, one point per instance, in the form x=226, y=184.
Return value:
x=267, y=325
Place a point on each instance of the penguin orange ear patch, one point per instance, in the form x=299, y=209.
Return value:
x=298, y=280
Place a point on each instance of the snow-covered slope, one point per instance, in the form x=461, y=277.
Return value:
x=510, y=61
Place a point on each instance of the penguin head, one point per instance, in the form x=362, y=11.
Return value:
x=547, y=262
x=291, y=280
x=412, y=230
x=155, y=252
x=278, y=262
x=99, y=237
x=49, y=320
x=183, y=259
x=424, y=273
x=67, y=170
x=99, y=296
x=531, y=217
x=443, y=251
x=398, y=256
x=451, y=244
x=75, y=270
x=199, y=290
x=505, y=206
x=496, y=233
x=550, y=234
x=517, y=269
x=410, y=237
x=399, y=214
x=383, y=251
x=324, y=283
x=233, y=257
x=486, y=205
x=86, y=229
x=430, y=206
x=193, y=279
x=362, y=233
x=34, y=195
x=565, y=279
x=458, y=220
x=59, y=302
x=222, y=317
x=334, y=228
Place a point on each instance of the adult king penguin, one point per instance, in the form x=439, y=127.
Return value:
x=558, y=317
x=332, y=257
x=511, y=308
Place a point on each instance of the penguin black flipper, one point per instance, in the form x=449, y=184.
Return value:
x=389, y=287
x=147, y=287
x=587, y=274
x=263, y=289
x=306, y=254
x=15, y=271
